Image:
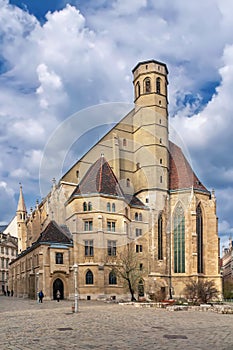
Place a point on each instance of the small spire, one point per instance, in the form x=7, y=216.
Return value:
x=21, y=203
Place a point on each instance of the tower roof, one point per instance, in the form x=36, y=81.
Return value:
x=99, y=179
x=181, y=175
x=21, y=204
x=150, y=61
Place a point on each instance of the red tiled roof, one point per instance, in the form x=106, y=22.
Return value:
x=181, y=175
x=99, y=179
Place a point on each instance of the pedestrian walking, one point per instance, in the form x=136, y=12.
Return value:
x=58, y=295
x=41, y=296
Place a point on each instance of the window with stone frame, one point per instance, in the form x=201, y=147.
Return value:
x=147, y=85
x=158, y=85
x=179, y=239
x=111, y=226
x=89, y=277
x=160, y=237
x=89, y=247
x=88, y=225
x=138, y=248
x=138, y=232
x=199, y=231
x=112, y=248
x=112, y=278
x=59, y=258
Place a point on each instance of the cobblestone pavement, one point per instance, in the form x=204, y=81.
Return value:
x=25, y=324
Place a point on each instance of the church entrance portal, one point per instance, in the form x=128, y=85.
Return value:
x=58, y=285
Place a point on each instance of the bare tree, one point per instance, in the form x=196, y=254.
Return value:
x=127, y=267
x=201, y=291
x=228, y=289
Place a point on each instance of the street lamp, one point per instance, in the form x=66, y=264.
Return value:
x=37, y=286
x=75, y=267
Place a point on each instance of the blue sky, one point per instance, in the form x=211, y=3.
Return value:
x=59, y=57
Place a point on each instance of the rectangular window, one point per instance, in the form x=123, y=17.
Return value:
x=3, y=276
x=89, y=249
x=112, y=248
x=2, y=250
x=7, y=251
x=138, y=248
x=59, y=258
x=138, y=232
x=2, y=263
x=111, y=226
x=88, y=225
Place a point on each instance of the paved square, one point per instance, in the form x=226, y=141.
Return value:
x=25, y=325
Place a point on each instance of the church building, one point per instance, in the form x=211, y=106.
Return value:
x=133, y=188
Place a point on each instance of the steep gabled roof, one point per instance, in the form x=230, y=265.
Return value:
x=181, y=175
x=99, y=179
x=53, y=233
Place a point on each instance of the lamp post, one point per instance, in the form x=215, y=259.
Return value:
x=37, y=287
x=75, y=267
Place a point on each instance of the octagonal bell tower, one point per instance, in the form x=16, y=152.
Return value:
x=151, y=129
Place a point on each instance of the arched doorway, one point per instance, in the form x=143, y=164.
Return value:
x=58, y=285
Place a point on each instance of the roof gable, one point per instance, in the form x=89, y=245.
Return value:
x=53, y=233
x=99, y=179
x=181, y=175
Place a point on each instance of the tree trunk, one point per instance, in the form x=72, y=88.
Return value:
x=131, y=291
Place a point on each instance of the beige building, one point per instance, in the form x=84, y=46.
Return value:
x=8, y=252
x=133, y=187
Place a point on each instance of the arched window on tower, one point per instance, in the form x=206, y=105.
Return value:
x=113, y=207
x=147, y=85
x=158, y=85
x=108, y=206
x=179, y=239
x=89, y=206
x=160, y=237
x=199, y=231
x=138, y=92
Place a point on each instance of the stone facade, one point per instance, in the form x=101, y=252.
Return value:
x=8, y=252
x=134, y=187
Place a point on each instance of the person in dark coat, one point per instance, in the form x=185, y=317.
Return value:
x=41, y=296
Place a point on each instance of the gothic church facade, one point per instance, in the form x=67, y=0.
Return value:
x=134, y=187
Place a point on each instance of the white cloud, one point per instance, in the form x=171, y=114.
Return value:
x=80, y=58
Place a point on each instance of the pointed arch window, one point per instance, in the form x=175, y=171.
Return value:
x=179, y=239
x=158, y=85
x=112, y=278
x=89, y=277
x=160, y=237
x=199, y=231
x=147, y=86
x=84, y=206
x=89, y=206
x=138, y=92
